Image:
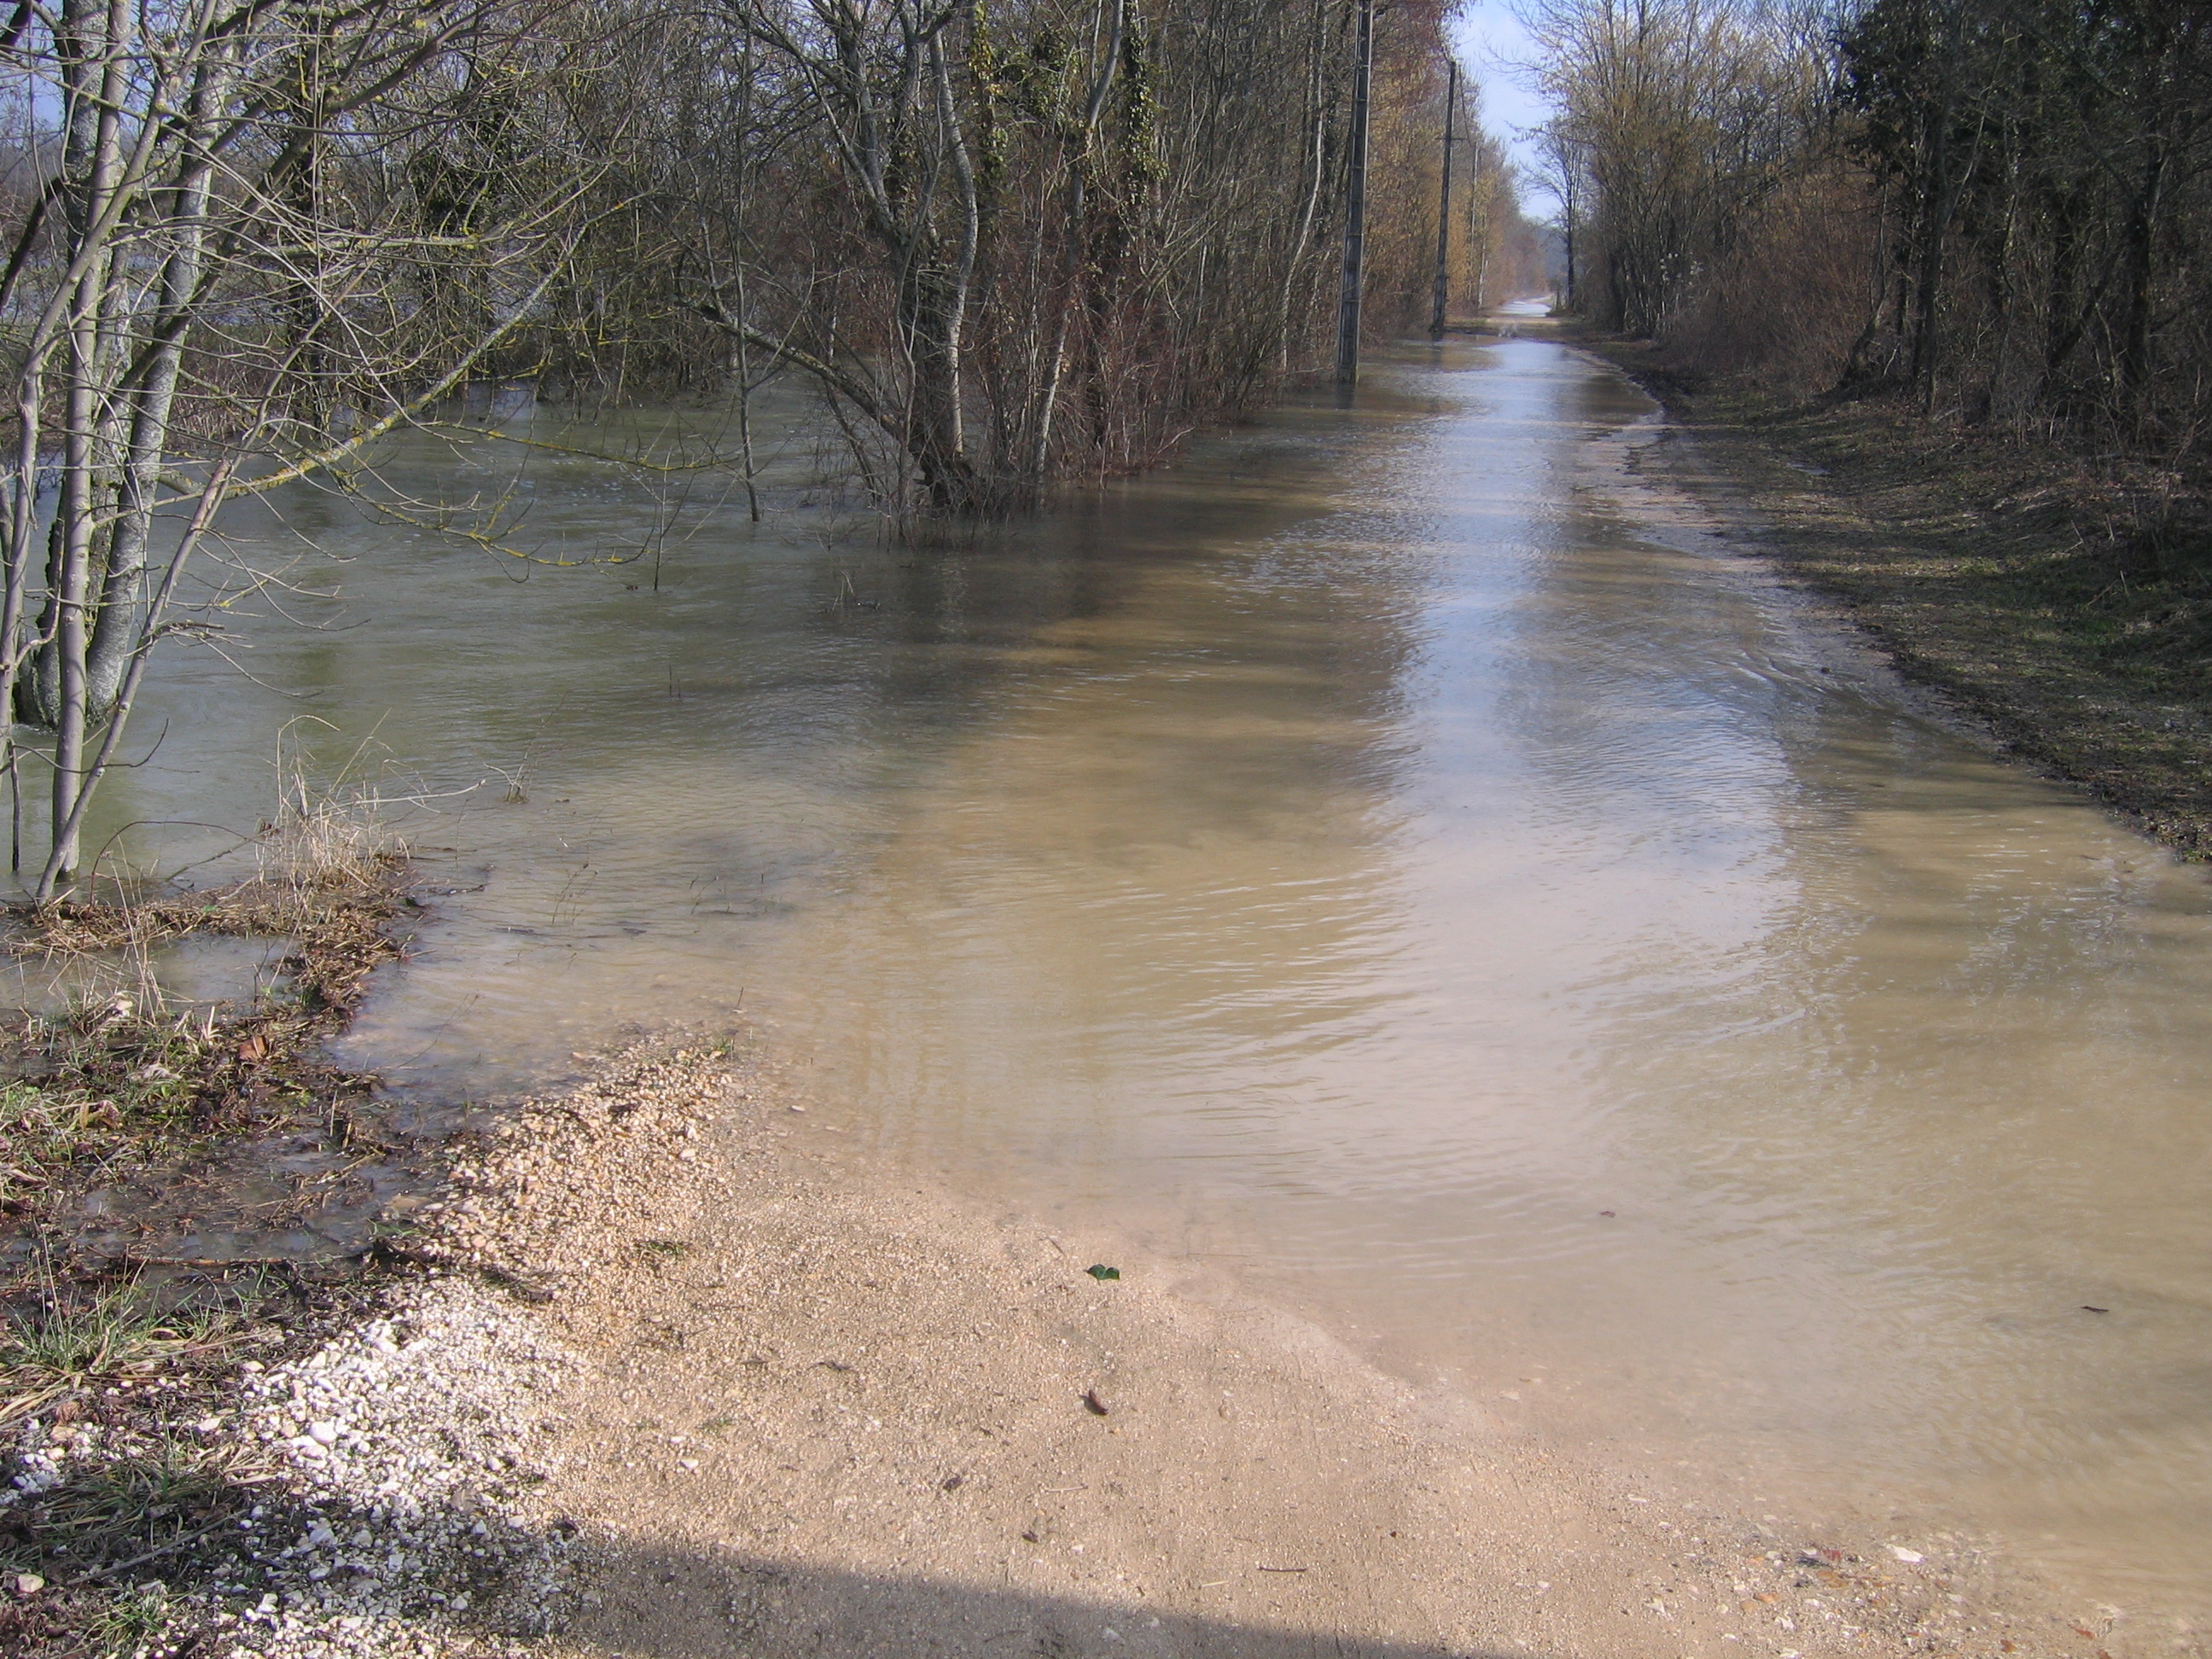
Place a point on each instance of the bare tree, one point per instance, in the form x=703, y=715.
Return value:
x=1047, y=222
x=227, y=282
x=1676, y=118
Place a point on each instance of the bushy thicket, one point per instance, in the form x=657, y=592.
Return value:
x=1011, y=243
x=1999, y=208
x=1012, y=240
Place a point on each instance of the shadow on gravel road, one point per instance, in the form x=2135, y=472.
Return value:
x=678, y=1604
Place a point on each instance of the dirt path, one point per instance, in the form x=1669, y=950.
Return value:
x=818, y=1416
x=2063, y=608
x=829, y=1412
x=790, y=1409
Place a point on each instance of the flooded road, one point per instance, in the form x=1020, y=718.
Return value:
x=1401, y=861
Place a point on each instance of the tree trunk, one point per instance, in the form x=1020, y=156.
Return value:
x=1939, y=196
x=93, y=307
x=119, y=631
x=1355, y=218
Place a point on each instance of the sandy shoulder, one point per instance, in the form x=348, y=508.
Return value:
x=838, y=1415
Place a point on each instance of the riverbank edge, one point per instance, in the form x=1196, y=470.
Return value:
x=1976, y=568
x=130, y=1121
x=438, y=1368
x=396, y=1459
x=350, y=1465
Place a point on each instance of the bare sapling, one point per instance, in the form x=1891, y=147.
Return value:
x=273, y=232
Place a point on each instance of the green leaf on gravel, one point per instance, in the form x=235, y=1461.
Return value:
x=1100, y=1270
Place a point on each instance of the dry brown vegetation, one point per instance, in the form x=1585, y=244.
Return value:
x=1949, y=255
x=1012, y=245
x=123, y=1081
x=1995, y=213
x=113, y=1353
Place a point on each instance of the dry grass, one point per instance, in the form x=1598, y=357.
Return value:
x=321, y=841
x=100, y=1373
x=124, y=1498
x=125, y=1078
x=55, y=1343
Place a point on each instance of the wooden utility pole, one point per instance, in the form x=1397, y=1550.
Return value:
x=1355, y=218
x=1478, y=229
x=1444, y=210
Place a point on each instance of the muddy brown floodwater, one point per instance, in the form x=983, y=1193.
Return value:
x=1401, y=862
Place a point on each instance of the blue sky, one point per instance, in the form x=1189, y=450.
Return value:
x=1490, y=43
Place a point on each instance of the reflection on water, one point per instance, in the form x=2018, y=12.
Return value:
x=1374, y=846
x=190, y=975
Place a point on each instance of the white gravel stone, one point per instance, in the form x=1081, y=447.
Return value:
x=405, y=1524
x=407, y=1443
